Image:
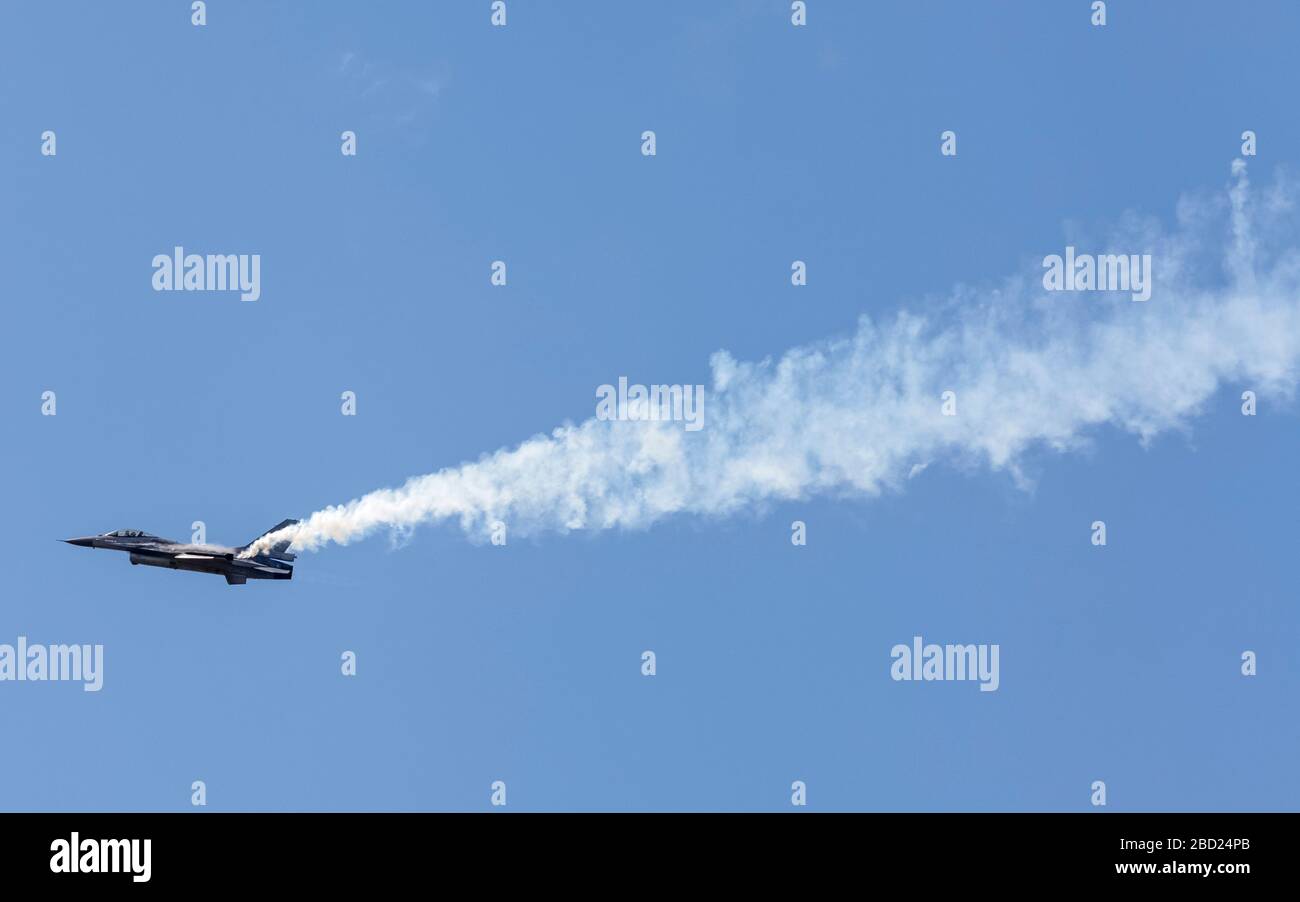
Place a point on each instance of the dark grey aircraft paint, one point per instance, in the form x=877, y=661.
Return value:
x=153, y=551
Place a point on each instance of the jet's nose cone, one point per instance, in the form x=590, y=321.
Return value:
x=84, y=543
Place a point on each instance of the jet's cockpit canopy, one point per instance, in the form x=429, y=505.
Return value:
x=129, y=534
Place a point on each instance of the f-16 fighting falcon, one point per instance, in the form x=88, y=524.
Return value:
x=152, y=551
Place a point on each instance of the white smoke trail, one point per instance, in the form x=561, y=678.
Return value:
x=862, y=414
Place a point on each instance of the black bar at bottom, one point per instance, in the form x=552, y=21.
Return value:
x=212, y=850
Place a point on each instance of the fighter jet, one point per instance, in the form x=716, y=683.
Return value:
x=276, y=563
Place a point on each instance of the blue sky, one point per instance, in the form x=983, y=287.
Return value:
x=522, y=663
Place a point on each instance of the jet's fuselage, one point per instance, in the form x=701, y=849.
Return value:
x=154, y=551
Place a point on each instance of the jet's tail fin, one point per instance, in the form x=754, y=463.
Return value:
x=279, y=549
